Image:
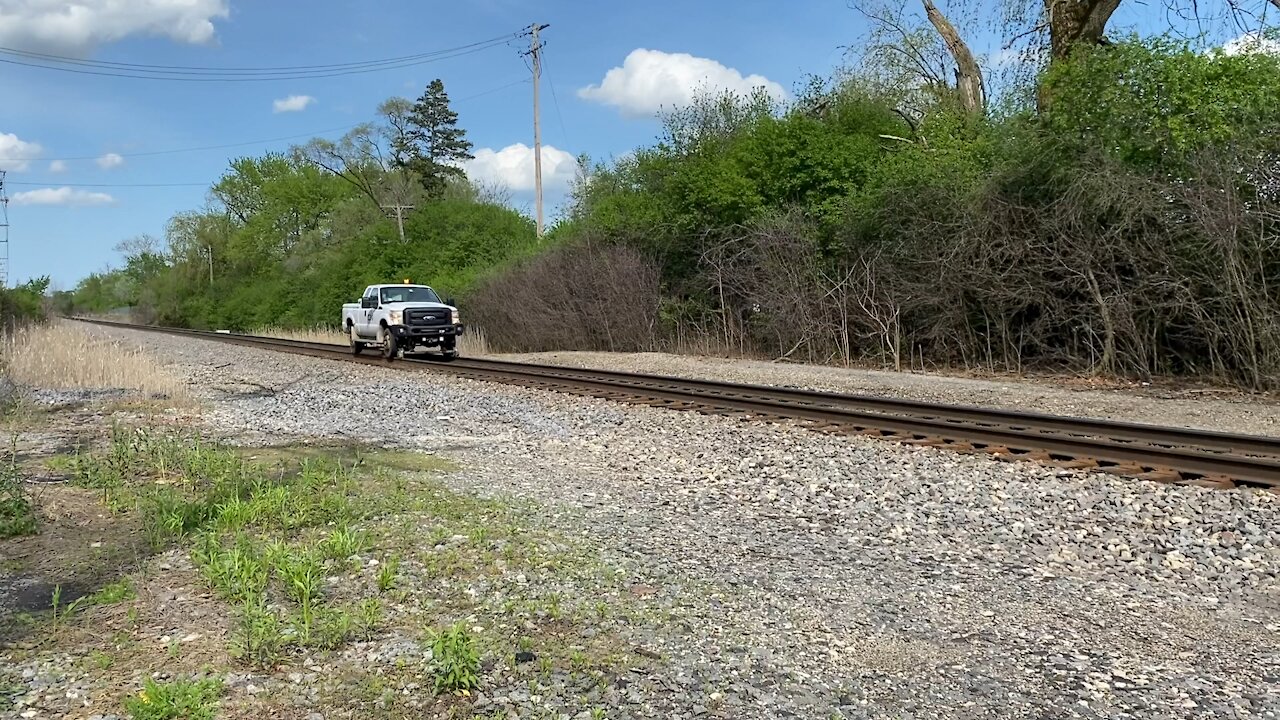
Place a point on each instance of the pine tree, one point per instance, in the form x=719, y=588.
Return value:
x=433, y=146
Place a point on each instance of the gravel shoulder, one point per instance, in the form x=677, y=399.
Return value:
x=763, y=571
x=1194, y=407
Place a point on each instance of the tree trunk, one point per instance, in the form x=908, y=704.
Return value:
x=968, y=74
x=1078, y=22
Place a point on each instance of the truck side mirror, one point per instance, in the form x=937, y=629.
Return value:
x=450, y=302
x=368, y=302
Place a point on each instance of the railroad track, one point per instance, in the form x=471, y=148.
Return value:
x=1167, y=454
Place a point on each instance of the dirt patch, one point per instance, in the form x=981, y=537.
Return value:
x=80, y=546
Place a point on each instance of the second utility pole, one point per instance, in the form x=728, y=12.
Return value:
x=535, y=51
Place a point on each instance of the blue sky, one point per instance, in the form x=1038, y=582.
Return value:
x=67, y=231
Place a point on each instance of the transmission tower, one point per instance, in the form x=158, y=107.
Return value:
x=4, y=234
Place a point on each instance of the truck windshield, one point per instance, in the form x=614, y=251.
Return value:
x=409, y=294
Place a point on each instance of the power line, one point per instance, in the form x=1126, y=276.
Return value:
x=178, y=73
x=174, y=151
x=148, y=67
x=109, y=185
x=246, y=143
x=564, y=134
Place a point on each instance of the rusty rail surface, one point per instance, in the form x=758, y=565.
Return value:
x=1170, y=454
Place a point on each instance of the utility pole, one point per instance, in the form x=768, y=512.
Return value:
x=535, y=51
x=399, y=216
x=4, y=234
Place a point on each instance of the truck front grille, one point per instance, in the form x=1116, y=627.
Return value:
x=426, y=318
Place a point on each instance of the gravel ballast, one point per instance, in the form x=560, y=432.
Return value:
x=792, y=574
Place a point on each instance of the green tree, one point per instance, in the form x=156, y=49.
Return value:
x=431, y=144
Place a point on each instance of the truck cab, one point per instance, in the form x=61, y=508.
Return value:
x=402, y=317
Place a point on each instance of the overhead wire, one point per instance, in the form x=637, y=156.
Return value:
x=109, y=185
x=564, y=133
x=181, y=73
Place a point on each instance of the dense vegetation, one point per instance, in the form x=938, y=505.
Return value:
x=23, y=304
x=290, y=237
x=1121, y=219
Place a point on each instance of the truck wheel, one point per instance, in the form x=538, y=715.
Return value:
x=356, y=345
x=389, y=346
x=449, y=349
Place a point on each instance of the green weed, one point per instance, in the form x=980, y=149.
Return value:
x=457, y=660
x=176, y=700
x=101, y=660
x=116, y=592
x=343, y=543
x=17, y=511
x=331, y=628
x=301, y=574
x=238, y=572
x=258, y=638
x=369, y=614
x=388, y=573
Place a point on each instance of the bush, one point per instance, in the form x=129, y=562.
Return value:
x=23, y=304
x=581, y=296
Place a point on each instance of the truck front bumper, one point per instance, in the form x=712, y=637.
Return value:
x=424, y=335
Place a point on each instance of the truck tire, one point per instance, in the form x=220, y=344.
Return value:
x=389, y=345
x=357, y=346
x=449, y=349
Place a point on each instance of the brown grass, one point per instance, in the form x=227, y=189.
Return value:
x=319, y=334
x=63, y=355
x=471, y=344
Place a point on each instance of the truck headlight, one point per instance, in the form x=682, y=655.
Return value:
x=395, y=317
x=453, y=316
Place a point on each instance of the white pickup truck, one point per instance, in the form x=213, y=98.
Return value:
x=402, y=317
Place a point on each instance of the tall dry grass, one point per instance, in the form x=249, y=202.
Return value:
x=471, y=344
x=318, y=334
x=64, y=355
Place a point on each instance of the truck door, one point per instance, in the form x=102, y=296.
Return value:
x=365, y=315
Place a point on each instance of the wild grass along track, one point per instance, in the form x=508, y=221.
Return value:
x=1152, y=452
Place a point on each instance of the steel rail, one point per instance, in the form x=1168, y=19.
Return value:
x=1130, y=448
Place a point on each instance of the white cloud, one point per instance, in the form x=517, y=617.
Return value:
x=293, y=103
x=61, y=196
x=512, y=167
x=1251, y=42
x=109, y=161
x=58, y=166
x=16, y=154
x=76, y=26
x=650, y=80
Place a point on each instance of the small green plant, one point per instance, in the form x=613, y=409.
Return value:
x=102, y=660
x=343, y=543
x=238, y=572
x=17, y=511
x=61, y=610
x=259, y=638
x=597, y=713
x=457, y=660
x=176, y=700
x=387, y=574
x=116, y=592
x=301, y=574
x=369, y=616
x=331, y=628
